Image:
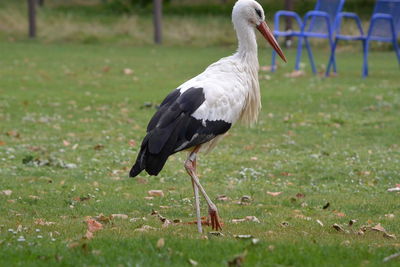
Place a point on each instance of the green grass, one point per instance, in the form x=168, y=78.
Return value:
x=334, y=140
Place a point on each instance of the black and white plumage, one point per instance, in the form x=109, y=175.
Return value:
x=195, y=116
x=173, y=128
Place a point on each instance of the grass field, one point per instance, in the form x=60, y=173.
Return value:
x=71, y=122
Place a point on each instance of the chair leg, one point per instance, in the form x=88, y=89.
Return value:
x=310, y=55
x=298, y=56
x=332, y=58
x=365, y=63
x=396, y=50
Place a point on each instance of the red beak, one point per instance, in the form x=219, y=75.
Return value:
x=266, y=32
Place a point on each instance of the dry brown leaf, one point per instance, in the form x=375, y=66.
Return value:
x=66, y=143
x=2, y=143
x=340, y=214
x=6, y=192
x=378, y=228
x=132, y=143
x=295, y=74
x=144, y=228
x=389, y=236
x=93, y=225
x=43, y=222
x=193, y=262
x=89, y=235
x=160, y=243
x=300, y=195
x=98, y=147
x=246, y=219
x=338, y=228
x=155, y=193
x=13, y=134
x=274, y=194
x=128, y=71
x=267, y=68
x=351, y=222
x=222, y=198
x=391, y=257
x=119, y=216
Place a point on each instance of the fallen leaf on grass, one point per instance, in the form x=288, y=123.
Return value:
x=145, y=228
x=274, y=194
x=93, y=225
x=378, y=228
x=128, y=71
x=326, y=206
x=246, y=219
x=193, y=262
x=43, y=222
x=338, y=228
x=98, y=147
x=284, y=224
x=300, y=195
x=340, y=214
x=103, y=219
x=119, y=216
x=351, y=222
x=394, y=189
x=391, y=257
x=2, y=143
x=89, y=235
x=13, y=134
x=389, y=236
x=160, y=243
x=155, y=193
x=66, y=143
x=132, y=143
x=6, y=192
x=267, y=68
x=222, y=198
x=295, y=74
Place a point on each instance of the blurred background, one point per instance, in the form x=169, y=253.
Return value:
x=129, y=22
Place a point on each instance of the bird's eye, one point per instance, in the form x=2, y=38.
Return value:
x=258, y=12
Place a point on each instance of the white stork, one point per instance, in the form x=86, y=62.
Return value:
x=199, y=112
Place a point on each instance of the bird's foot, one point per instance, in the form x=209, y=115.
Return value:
x=215, y=224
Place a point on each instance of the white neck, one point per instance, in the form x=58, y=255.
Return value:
x=247, y=47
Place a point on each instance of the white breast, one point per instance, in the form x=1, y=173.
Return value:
x=231, y=91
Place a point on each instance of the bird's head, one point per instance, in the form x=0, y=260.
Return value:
x=251, y=13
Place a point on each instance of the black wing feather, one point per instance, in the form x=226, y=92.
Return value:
x=173, y=129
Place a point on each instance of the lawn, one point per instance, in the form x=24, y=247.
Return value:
x=71, y=121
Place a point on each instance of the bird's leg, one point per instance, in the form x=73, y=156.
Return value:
x=190, y=166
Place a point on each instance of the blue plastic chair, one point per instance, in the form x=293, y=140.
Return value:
x=318, y=23
x=384, y=27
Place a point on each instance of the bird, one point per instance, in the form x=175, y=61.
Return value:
x=197, y=114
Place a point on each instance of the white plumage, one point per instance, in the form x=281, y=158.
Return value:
x=197, y=114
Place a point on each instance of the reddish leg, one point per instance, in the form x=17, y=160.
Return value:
x=190, y=166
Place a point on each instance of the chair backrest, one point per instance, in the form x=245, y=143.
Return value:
x=381, y=27
x=332, y=7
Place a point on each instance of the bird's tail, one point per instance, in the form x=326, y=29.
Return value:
x=152, y=163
